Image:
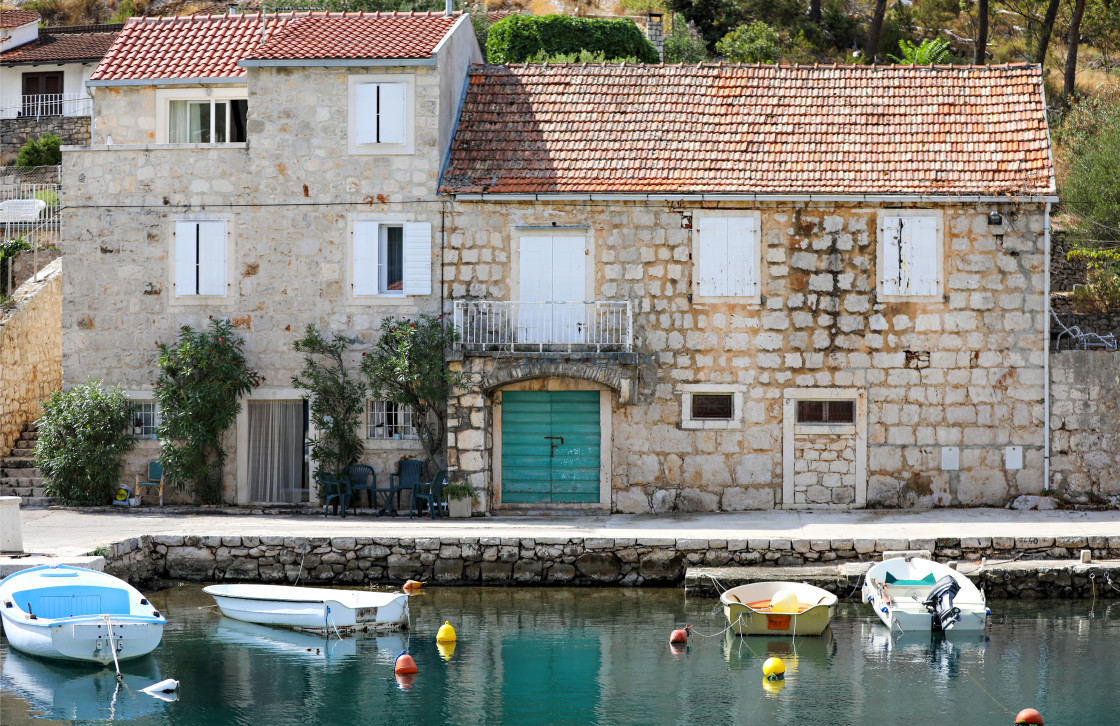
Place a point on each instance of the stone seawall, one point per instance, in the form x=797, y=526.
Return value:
x=1085, y=425
x=157, y=560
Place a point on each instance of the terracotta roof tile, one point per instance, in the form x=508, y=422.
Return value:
x=16, y=18
x=368, y=36
x=55, y=46
x=752, y=130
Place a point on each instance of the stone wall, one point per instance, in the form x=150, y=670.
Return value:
x=824, y=469
x=15, y=132
x=1085, y=424
x=30, y=352
x=537, y=561
x=965, y=371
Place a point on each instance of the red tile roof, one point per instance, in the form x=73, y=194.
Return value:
x=211, y=46
x=752, y=130
x=16, y=18
x=64, y=45
x=369, y=36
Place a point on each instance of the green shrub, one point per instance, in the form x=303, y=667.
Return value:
x=9, y=248
x=518, y=38
x=755, y=42
x=83, y=436
x=681, y=46
x=584, y=56
x=43, y=151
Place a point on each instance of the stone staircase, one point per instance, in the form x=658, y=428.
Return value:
x=18, y=475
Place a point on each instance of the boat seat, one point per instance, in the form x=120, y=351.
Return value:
x=926, y=581
x=732, y=597
x=68, y=602
x=765, y=605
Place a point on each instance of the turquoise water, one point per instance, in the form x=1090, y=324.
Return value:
x=591, y=656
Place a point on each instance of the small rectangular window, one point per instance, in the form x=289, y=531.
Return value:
x=391, y=255
x=145, y=419
x=388, y=420
x=200, y=258
x=712, y=406
x=207, y=121
x=826, y=412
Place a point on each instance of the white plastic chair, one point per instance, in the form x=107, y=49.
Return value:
x=21, y=210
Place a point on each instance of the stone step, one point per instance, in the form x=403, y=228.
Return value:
x=24, y=492
x=19, y=472
x=38, y=502
x=22, y=481
x=29, y=436
x=25, y=444
x=18, y=462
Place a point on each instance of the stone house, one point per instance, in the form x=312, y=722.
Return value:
x=280, y=171
x=746, y=287
x=42, y=78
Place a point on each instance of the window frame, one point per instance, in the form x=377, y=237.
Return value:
x=405, y=296
x=403, y=413
x=164, y=97
x=755, y=254
x=229, y=296
x=374, y=149
x=881, y=254
x=688, y=390
x=142, y=407
x=828, y=403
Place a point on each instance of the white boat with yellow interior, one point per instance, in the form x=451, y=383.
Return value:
x=778, y=608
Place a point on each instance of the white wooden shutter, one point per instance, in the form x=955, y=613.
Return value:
x=742, y=250
x=923, y=256
x=418, y=258
x=890, y=237
x=186, y=258
x=391, y=113
x=709, y=256
x=212, y=258
x=365, y=113
x=364, y=272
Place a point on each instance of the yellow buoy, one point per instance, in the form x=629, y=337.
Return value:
x=446, y=650
x=774, y=669
x=773, y=687
x=784, y=601
x=446, y=633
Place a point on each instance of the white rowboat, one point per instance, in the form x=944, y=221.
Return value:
x=917, y=595
x=311, y=608
x=749, y=611
x=71, y=613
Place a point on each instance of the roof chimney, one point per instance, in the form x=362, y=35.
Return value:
x=655, y=32
x=448, y=9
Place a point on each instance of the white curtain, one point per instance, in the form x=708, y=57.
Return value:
x=276, y=451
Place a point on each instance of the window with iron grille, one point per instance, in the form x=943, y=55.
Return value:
x=713, y=406
x=387, y=420
x=826, y=412
x=145, y=419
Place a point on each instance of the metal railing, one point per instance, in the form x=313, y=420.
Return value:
x=43, y=230
x=46, y=104
x=489, y=325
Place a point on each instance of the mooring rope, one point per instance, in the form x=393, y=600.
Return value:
x=113, y=645
x=330, y=618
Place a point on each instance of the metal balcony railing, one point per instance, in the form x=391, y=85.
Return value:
x=46, y=104
x=488, y=325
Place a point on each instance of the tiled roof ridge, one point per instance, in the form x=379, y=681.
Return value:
x=293, y=15
x=18, y=17
x=81, y=29
x=1021, y=65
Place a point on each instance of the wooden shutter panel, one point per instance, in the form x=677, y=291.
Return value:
x=391, y=113
x=890, y=237
x=186, y=260
x=365, y=258
x=709, y=257
x=418, y=258
x=212, y=258
x=742, y=251
x=923, y=256
x=365, y=113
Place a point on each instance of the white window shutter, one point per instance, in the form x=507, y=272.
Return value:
x=923, y=255
x=742, y=249
x=364, y=273
x=890, y=237
x=391, y=113
x=186, y=259
x=212, y=258
x=365, y=113
x=709, y=258
x=418, y=258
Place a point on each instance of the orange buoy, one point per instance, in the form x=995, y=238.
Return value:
x=411, y=585
x=1029, y=715
x=681, y=635
x=405, y=665
x=405, y=680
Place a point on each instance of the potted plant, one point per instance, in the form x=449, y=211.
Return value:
x=460, y=497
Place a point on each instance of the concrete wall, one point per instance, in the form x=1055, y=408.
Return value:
x=30, y=353
x=965, y=371
x=1085, y=424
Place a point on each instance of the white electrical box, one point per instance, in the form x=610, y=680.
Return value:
x=1013, y=457
x=950, y=458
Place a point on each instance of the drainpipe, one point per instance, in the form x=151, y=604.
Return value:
x=1046, y=355
x=448, y=9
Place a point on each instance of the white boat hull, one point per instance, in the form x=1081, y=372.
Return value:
x=315, y=609
x=897, y=589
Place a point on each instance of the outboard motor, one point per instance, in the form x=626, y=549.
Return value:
x=940, y=603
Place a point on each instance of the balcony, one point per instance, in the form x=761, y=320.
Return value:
x=499, y=326
x=49, y=104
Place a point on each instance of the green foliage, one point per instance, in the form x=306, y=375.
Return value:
x=369, y=6
x=1102, y=294
x=9, y=248
x=336, y=400
x=407, y=367
x=930, y=52
x=518, y=38
x=755, y=42
x=83, y=436
x=460, y=490
x=840, y=29
x=202, y=376
x=584, y=56
x=681, y=46
x=480, y=20
x=43, y=151
x=714, y=19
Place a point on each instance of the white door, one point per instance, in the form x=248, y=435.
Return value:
x=553, y=288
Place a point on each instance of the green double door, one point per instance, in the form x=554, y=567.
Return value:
x=550, y=447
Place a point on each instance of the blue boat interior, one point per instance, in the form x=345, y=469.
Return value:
x=69, y=601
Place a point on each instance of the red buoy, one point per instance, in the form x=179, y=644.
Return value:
x=405, y=664
x=1029, y=715
x=681, y=635
x=405, y=680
